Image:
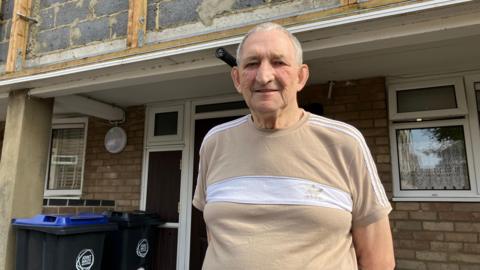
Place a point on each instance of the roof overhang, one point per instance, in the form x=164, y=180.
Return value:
x=324, y=42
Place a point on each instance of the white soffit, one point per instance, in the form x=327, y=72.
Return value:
x=88, y=106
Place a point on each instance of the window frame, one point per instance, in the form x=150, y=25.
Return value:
x=164, y=139
x=433, y=194
x=464, y=115
x=65, y=123
x=457, y=82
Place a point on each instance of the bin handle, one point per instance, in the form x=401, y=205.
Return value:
x=50, y=219
x=86, y=217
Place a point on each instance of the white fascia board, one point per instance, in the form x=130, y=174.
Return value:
x=9, y=83
x=91, y=107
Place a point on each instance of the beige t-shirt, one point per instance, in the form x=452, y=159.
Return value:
x=287, y=198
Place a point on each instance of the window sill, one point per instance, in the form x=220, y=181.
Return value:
x=436, y=199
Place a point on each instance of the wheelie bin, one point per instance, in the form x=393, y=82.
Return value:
x=132, y=246
x=61, y=242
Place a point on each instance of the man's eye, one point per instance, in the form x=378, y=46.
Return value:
x=278, y=63
x=251, y=64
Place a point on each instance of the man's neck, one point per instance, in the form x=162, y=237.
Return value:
x=277, y=121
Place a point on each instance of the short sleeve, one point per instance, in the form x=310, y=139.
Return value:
x=370, y=202
x=199, y=196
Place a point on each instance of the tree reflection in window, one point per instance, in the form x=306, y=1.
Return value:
x=432, y=158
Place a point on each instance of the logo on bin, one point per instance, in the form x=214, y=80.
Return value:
x=85, y=259
x=142, y=248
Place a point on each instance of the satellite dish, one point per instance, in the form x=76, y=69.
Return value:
x=115, y=140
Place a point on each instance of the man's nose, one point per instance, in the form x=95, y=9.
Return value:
x=265, y=73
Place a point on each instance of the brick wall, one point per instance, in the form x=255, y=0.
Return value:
x=111, y=181
x=427, y=236
x=115, y=176
x=437, y=236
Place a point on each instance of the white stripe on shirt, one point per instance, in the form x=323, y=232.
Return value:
x=226, y=125
x=261, y=189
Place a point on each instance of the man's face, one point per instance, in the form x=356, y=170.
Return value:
x=269, y=75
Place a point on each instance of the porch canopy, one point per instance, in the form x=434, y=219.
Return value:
x=402, y=42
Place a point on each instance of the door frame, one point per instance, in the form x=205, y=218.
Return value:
x=186, y=145
x=162, y=146
x=190, y=142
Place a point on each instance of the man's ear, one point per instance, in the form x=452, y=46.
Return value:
x=235, y=73
x=303, y=75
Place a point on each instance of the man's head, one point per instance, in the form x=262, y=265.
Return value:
x=270, y=71
x=270, y=27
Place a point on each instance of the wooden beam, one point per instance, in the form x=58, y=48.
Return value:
x=18, y=35
x=347, y=2
x=137, y=23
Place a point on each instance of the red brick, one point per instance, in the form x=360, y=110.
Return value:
x=461, y=237
x=442, y=266
x=431, y=256
x=469, y=207
x=410, y=265
x=438, y=226
x=423, y=215
x=466, y=258
x=454, y=216
x=404, y=253
x=467, y=227
x=412, y=244
x=432, y=236
x=408, y=225
x=471, y=248
x=437, y=206
x=407, y=206
x=446, y=246
x=398, y=215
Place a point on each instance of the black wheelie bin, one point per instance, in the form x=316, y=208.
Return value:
x=132, y=246
x=61, y=242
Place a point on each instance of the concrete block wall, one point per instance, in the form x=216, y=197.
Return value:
x=164, y=14
x=68, y=24
x=6, y=11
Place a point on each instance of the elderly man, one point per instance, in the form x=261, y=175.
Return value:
x=283, y=188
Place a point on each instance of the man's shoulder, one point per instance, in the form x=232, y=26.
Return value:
x=225, y=127
x=338, y=130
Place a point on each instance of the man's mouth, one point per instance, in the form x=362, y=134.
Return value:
x=264, y=90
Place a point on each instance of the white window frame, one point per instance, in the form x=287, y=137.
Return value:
x=164, y=139
x=464, y=115
x=63, y=123
x=457, y=82
x=472, y=193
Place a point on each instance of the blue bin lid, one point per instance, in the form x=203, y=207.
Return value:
x=62, y=220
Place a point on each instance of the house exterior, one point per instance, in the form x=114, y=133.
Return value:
x=405, y=73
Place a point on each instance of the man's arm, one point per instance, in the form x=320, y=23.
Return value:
x=374, y=246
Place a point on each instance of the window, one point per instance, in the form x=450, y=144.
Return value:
x=432, y=135
x=165, y=124
x=66, y=158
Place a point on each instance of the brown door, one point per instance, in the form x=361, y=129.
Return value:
x=163, y=196
x=198, y=240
